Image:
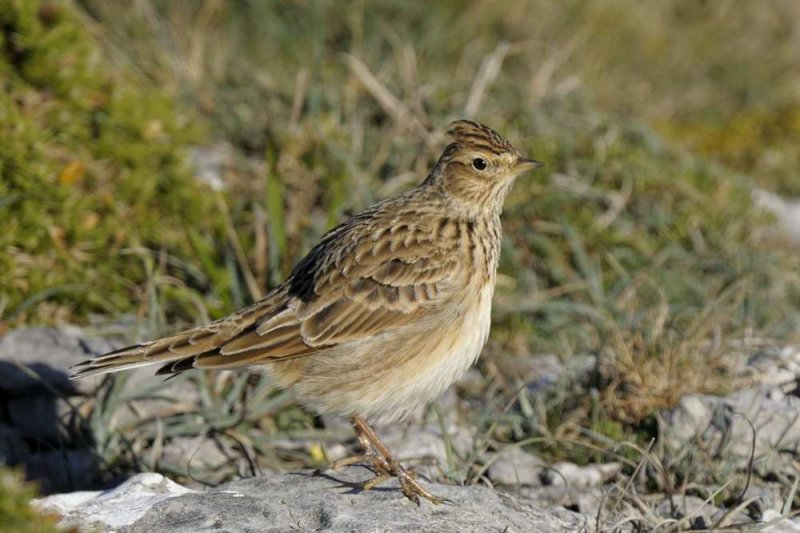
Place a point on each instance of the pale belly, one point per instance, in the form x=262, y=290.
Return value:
x=387, y=377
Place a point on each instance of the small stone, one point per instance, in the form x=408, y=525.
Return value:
x=778, y=523
x=335, y=451
x=515, y=466
x=211, y=163
x=586, y=501
x=544, y=371
x=195, y=454
x=574, y=476
x=36, y=360
x=768, y=496
x=786, y=211
x=473, y=382
x=537, y=371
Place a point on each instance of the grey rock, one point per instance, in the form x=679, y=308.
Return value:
x=695, y=512
x=720, y=427
x=774, y=366
x=586, y=501
x=775, y=522
x=299, y=502
x=36, y=360
x=198, y=454
x=580, y=368
x=574, y=476
x=111, y=509
x=514, y=466
x=307, y=502
x=211, y=163
x=538, y=371
x=472, y=381
x=427, y=441
x=43, y=431
x=786, y=211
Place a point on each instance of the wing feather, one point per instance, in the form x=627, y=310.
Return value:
x=359, y=281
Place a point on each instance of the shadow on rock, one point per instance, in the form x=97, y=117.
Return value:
x=43, y=425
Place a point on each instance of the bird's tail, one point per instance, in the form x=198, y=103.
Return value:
x=175, y=353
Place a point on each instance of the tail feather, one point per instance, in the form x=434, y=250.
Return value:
x=228, y=343
x=126, y=358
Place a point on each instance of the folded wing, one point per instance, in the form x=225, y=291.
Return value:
x=359, y=281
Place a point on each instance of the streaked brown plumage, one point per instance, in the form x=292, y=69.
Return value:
x=383, y=314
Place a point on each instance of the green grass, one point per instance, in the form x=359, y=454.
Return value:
x=89, y=156
x=16, y=513
x=638, y=243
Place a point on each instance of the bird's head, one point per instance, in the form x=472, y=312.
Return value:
x=478, y=169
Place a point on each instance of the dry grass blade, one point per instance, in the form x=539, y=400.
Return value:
x=300, y=90
x=628, y=485
x=540, y=82
x=241, y=257
x=389, y=102
x=725, y=520
x=487, y=74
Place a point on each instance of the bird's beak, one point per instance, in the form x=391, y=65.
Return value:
x=524, y=164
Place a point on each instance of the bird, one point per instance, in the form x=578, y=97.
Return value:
x=382, y=315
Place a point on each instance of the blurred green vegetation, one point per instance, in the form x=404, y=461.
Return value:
x=638, y=243
x=88, y=157
x=16, y=513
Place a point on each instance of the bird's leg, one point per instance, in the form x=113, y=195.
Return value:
x=386, y=466
x=383, y=463
x=369, y=455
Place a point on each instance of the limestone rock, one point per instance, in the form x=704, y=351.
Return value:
x=42, y=427
x=333, y=502
x=575, y=476
x=35, y=360
x=112, y=509
x=724, y=426
x=515, y=466
x=300, y=501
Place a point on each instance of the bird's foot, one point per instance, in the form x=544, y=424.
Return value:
x=412, y=489
x=385, y=470
x=386, y=466
x=378, y=463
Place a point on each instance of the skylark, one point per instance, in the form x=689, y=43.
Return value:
x=381, y=316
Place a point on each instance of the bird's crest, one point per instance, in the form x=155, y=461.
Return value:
x=475, y=135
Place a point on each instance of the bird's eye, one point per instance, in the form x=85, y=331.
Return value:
x=479, y=163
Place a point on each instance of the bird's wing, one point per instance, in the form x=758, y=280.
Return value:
x=361, y=280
